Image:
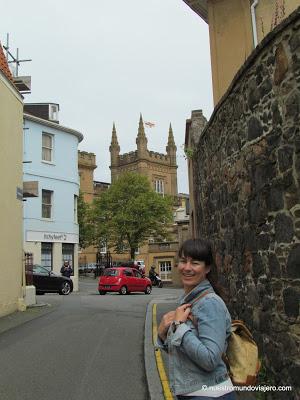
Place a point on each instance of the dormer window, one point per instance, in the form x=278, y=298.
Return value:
x=53, y=112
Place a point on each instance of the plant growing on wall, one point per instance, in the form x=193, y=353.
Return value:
x=189, y=152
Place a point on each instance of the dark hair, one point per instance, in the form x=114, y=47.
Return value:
x=201, y=250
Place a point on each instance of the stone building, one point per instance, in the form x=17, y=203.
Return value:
x=161, y=169
x=246, y=197
x=90, y=189
x=235, y=29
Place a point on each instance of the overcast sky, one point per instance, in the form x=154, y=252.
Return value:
x=106, y=61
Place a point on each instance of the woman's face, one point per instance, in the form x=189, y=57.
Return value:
x=192, y=272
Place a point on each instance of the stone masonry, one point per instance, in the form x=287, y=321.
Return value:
x=247, y=198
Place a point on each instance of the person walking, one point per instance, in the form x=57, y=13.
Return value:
x=196, y=333
x=66, y=269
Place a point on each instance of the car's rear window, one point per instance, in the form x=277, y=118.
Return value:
x=111, y=272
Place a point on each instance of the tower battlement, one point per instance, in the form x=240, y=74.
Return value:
x=87, y=159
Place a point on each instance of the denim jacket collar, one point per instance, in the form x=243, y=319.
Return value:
x=203, y=286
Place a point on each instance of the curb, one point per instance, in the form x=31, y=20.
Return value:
x=154, y=383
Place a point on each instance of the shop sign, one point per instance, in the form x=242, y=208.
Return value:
x=37, y=236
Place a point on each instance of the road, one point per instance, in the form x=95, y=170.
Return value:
x=90, y=347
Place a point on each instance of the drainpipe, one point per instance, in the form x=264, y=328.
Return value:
x=254, y=27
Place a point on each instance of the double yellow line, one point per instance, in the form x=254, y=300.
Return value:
x=159, y=361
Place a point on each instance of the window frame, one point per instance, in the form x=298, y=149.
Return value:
x=47, y=204
x=51, y=148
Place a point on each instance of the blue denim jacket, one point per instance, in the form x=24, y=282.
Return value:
x=195, y=348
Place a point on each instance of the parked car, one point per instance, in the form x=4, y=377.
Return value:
x=48, y=282
x=123, y=280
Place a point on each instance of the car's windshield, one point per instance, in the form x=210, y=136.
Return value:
x=111, y=272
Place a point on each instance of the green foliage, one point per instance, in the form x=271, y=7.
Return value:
x=85, y=226
x=189, y=153
x=129, y=212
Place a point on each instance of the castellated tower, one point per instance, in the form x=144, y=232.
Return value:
x=161, y=169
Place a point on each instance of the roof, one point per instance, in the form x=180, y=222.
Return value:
x=4, y=65
x=54, y=125
x=200, y=8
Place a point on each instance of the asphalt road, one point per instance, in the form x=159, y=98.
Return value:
x=90, y=347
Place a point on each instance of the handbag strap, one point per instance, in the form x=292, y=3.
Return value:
x=203, y=294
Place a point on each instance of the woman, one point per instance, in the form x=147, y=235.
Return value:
x=195, y=334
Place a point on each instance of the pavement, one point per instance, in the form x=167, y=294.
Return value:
x=156, y=365
x=156, y=361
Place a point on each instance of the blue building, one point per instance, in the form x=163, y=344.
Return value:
x=50, y=164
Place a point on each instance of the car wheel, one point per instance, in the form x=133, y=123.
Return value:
x=148, y=289
x=123, y=290
x=102, y=292
x=39, y=293
x=65, y=288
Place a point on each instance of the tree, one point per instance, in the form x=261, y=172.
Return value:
x=85, y=226
x=129, y=212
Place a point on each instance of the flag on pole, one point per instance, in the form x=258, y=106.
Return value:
x=149, y=124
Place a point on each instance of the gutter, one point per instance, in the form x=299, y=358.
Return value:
x=253, y=18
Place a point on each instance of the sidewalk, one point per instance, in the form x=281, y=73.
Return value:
x=21, y=317
x=157, y=380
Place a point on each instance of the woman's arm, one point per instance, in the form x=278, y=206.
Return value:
x=205, y=349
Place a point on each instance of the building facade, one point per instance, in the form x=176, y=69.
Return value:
x=235, y=29
x=11, y=136
x=50, y=220
x=161, y=170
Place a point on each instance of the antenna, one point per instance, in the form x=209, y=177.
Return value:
x=11, y=59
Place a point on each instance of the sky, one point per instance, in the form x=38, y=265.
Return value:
x=108, y=61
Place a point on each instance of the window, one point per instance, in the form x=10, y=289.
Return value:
x=68, y=254
x=47, y=203
x=75, y=209
x=159, y=186
x=46, y=256
x=165, y=270
x=47, y=147
x=111, y=272
x=127, y=272
x=136, y=273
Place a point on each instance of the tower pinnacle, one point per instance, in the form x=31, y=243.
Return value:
x=141, y=139
x=171, y=147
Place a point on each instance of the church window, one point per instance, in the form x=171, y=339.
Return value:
x=159, y=186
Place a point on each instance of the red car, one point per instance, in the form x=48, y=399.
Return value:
x=123, y=280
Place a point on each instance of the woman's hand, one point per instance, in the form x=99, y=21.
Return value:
x=182, y=312
x=164, y=325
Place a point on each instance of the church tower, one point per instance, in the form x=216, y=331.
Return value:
x=114, y=154
x=141, y=140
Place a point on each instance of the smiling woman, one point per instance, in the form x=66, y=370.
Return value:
x=196, y=333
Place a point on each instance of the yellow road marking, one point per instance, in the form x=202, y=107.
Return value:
x=159, y=361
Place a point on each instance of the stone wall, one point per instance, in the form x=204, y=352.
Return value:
x=247, y=198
